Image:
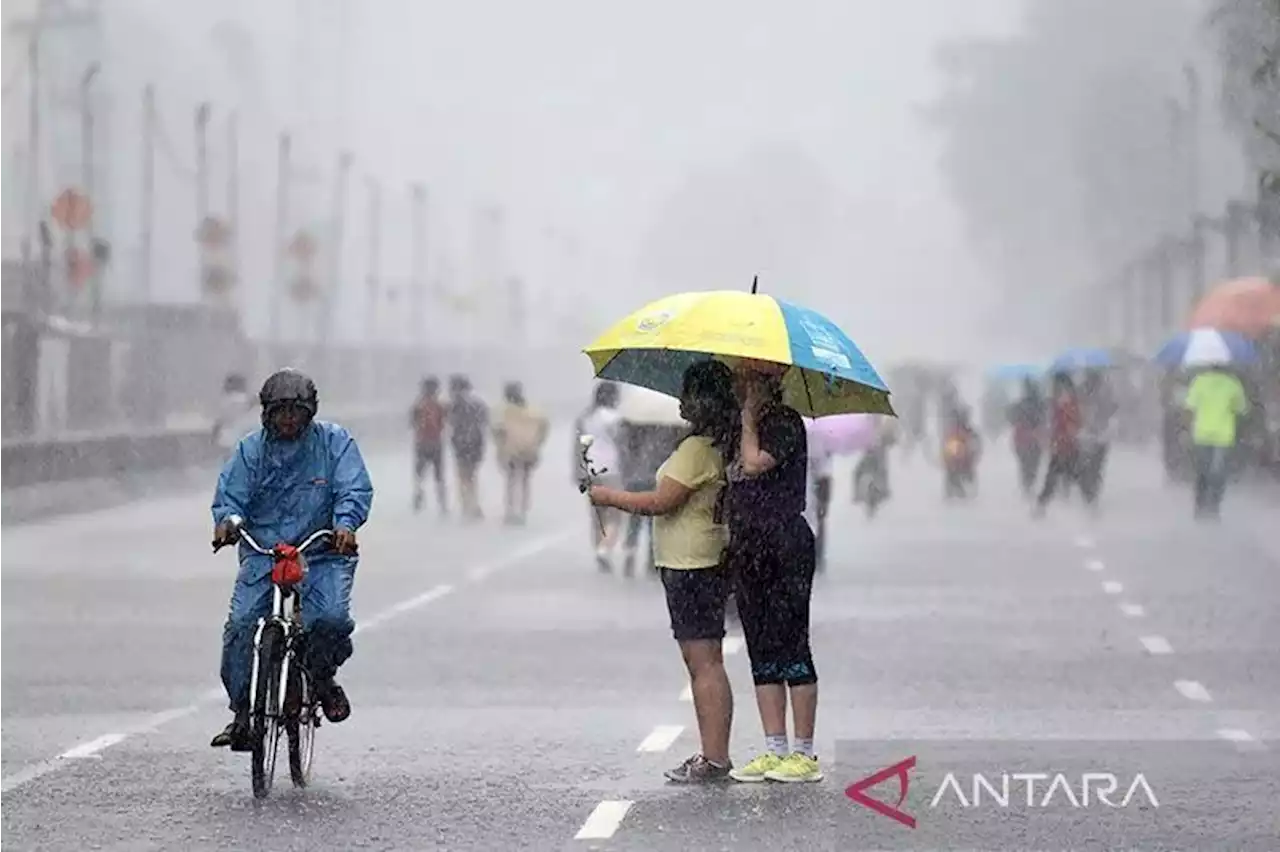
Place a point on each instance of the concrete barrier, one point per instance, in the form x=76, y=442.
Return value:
x=25, y=462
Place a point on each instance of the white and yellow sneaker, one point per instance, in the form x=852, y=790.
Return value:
x=795, y=768
x=757, y=769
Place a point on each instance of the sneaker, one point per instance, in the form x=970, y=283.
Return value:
x=698, y=770
x=794, y=768
x=757, y=769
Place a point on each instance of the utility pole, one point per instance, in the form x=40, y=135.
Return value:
x=202, y=189
x=34, y=29
x=418, y=264
x=338, y=234
x=375, y=247
x=233, y=199
x=148, y=189
x=282, y=236
x=87, y=179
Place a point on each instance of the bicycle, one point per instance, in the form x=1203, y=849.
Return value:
x=280, y=689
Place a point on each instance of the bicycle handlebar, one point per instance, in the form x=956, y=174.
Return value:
x=243, y=535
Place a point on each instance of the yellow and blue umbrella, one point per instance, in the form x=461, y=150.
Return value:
x=827, y=372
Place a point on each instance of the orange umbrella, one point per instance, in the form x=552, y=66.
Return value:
x=1246, y=306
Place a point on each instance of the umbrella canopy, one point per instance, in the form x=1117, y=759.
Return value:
x=1244, y=305
x=843, y=433
x=643, y=407
x=824, y=372
x=1082, y=359
x=1203, y=347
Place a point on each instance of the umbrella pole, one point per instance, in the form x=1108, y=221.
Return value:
x=590, y=477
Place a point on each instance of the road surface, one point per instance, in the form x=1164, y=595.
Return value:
x=507, y=695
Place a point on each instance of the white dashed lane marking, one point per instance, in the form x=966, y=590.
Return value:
x=733, y=644
x=1085, y=542
x=604, y=820
x=1111, y=587
x=1156, y=645
x=1094, y=565
x=661, y=738
x=1193, y=690
x=1133, y=610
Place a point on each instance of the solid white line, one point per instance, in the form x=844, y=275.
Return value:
x=1133, y=610
x=661, y=738
x=686, y=694
x=1193, y=690
x=1084, y=541
x=604, y=820
x=1111, y=587
x=1094, y=565
x=150, y=723
x=732, y=644
x=92, y=747
x=1156, y=645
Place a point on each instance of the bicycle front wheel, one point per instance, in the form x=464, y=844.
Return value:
x=265, y=721
x=300, y=726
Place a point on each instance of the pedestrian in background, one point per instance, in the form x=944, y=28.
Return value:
x=427, y=418
x=1097, y=414
x=1064, y=440
x=604, y=424
x=1027, y=418
x=519, y=435
x=1217, y=400
x=468, y=421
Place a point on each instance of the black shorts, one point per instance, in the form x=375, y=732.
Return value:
x=696, y=600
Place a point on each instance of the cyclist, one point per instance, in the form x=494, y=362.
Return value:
x=290, y=478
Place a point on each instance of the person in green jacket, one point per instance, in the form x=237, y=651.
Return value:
x=1217, y=401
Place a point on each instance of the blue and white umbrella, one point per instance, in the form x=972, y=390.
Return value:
x=1082, y=359
x=1203, y=347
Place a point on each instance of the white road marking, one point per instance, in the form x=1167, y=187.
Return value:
x=1094, y=565
x=1243, y=740
x=1156, y=645
x=732, y=644
x=1133, y=610
x=1084, y=541
x=1193, y=690
x=604, y=820
x=91, y=748
x=686, y=694
x=1111, y=587
x=661, y=738
x=150, y=723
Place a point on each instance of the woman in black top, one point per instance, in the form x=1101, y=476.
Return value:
x=772, y=554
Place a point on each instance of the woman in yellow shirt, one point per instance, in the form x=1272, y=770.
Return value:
x=689, y=538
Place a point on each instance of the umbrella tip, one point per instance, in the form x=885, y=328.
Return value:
x=755, y=282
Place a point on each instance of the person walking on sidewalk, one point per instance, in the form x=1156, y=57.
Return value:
x=1097, y=414
x=772, y=554
x=427, y=420
x=1217, y=401
x=688, y=548
x=604, y=424
x=518, y=438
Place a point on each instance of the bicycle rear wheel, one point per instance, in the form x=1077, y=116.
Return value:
x=300, y=726
x=265, y=722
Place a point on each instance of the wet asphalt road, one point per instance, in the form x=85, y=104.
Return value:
x=503, y=687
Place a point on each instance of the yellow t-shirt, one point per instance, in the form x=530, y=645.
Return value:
x=689, y=537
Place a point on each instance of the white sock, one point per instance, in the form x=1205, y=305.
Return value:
x=805, y=747
x=777, y=744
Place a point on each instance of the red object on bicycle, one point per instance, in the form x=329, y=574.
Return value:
x=288, y=569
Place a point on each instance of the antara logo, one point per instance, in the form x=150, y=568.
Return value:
x=1038, y=790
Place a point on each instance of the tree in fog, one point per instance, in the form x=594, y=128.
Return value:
x=1060, y=143
x=1248, y=40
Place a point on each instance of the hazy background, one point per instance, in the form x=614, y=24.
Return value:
x=943, y=177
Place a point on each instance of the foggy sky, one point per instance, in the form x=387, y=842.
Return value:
x=577, y=116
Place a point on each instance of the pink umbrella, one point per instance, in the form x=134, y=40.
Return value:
x=841, y=434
